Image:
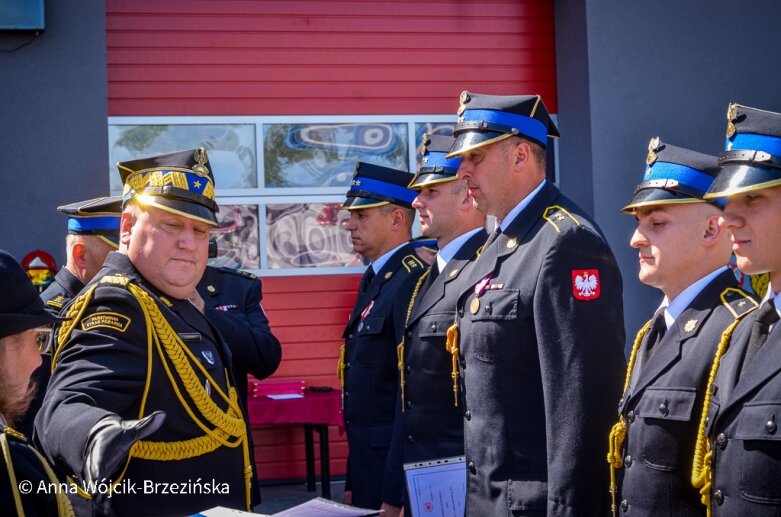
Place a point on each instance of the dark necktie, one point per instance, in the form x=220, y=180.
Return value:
x=434, y=270
x=368, y=276
x=655, y=334
x=766, y=316
x=492, y=237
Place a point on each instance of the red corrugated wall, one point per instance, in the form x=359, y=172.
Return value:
x=256, y=57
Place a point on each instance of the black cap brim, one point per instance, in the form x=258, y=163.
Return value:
x=736, y=178
x=424, y=179
x=179, y=207
x=658, y=196
x=357, y=203
x=469, y=140
x=11, y=324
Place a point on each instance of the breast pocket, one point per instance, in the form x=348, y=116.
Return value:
x=431, y=356
x=760, y=468
x=369, y=349
x=666, y=415
x=494, y=321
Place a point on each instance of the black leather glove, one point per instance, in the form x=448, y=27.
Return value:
x=109, y=444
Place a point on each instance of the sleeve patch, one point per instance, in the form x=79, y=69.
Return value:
x=586, y=285
x=106, y=320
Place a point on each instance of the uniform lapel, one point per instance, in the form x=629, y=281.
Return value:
x=436, y=290
x=686, y=327
x=389, y=270
x=765, y=364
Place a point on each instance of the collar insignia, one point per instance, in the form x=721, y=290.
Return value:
x=690, y=325
x=653, y=146
x=211, y=288
x=388, y=275
x=732, y=114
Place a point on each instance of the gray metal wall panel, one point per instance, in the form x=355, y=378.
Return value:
x=53, y=117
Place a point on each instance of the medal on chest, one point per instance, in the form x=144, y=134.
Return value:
x=364, y=314
x=480, y=288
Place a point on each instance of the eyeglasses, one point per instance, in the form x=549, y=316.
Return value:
x=44, y=336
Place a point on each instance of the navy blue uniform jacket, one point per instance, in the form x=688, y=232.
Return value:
x=371, y=376
x=662, y=411
x=102, y=370
x=745, y=413
x=541, y=359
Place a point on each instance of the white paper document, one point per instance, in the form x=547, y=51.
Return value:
x=437, y=488
x=286, y=396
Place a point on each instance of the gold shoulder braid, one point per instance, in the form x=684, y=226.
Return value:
x=618, y=432
x=702, y=470
x=400, y=348
x=221, y=428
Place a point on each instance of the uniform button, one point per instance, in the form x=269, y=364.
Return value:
x=461, y=313
x=472, y=467
x=410, y=439
x=409, y=334
x=488, y=308
x=721, y=441
x=624, y=506
x=346, y=423
x=347, y=365
x=468, y=415
x=349, y=336
x=663, y=409
x=628, y=461
x=346, y=394
x=718, y=497
x=770, y=426
x=630, y=416
x=433, y=327
x=408, y=404
x=713, y=389
x=408, y=368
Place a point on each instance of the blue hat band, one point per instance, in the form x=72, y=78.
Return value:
x=754, y=142
x=433, y=159
x=384, y=189
x=92, y=224
x=684, y=175
x=527, y=126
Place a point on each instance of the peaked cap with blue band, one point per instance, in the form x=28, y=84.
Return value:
x=752, y=159
x=99, y=216
x=674, y=175
x=486, y=119
x=374, y=185
x=435, y=167
x=181, y=183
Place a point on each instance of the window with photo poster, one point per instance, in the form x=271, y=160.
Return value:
x=231, y=149
x=324, y=154
x=307, y=235
x=237, y=237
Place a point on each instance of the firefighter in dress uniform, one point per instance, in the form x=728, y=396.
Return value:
x=429, y=414
x=141, y=405
x=93, y=231
x=683, y=252
x=539, y=324
x=380, y=220
x=738, y=458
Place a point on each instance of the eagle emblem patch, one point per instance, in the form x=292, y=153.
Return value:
x=585, y=284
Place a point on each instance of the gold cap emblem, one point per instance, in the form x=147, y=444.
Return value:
x=653, y=145
x=464, y=99
x=202, y=158
x=732, y=114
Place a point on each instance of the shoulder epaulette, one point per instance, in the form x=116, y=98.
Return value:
x=556, y=215
x=56, y=302
x=13, y=433
x=411, y=262
x=738, y=302
x=121, y=280
x=239, y=272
